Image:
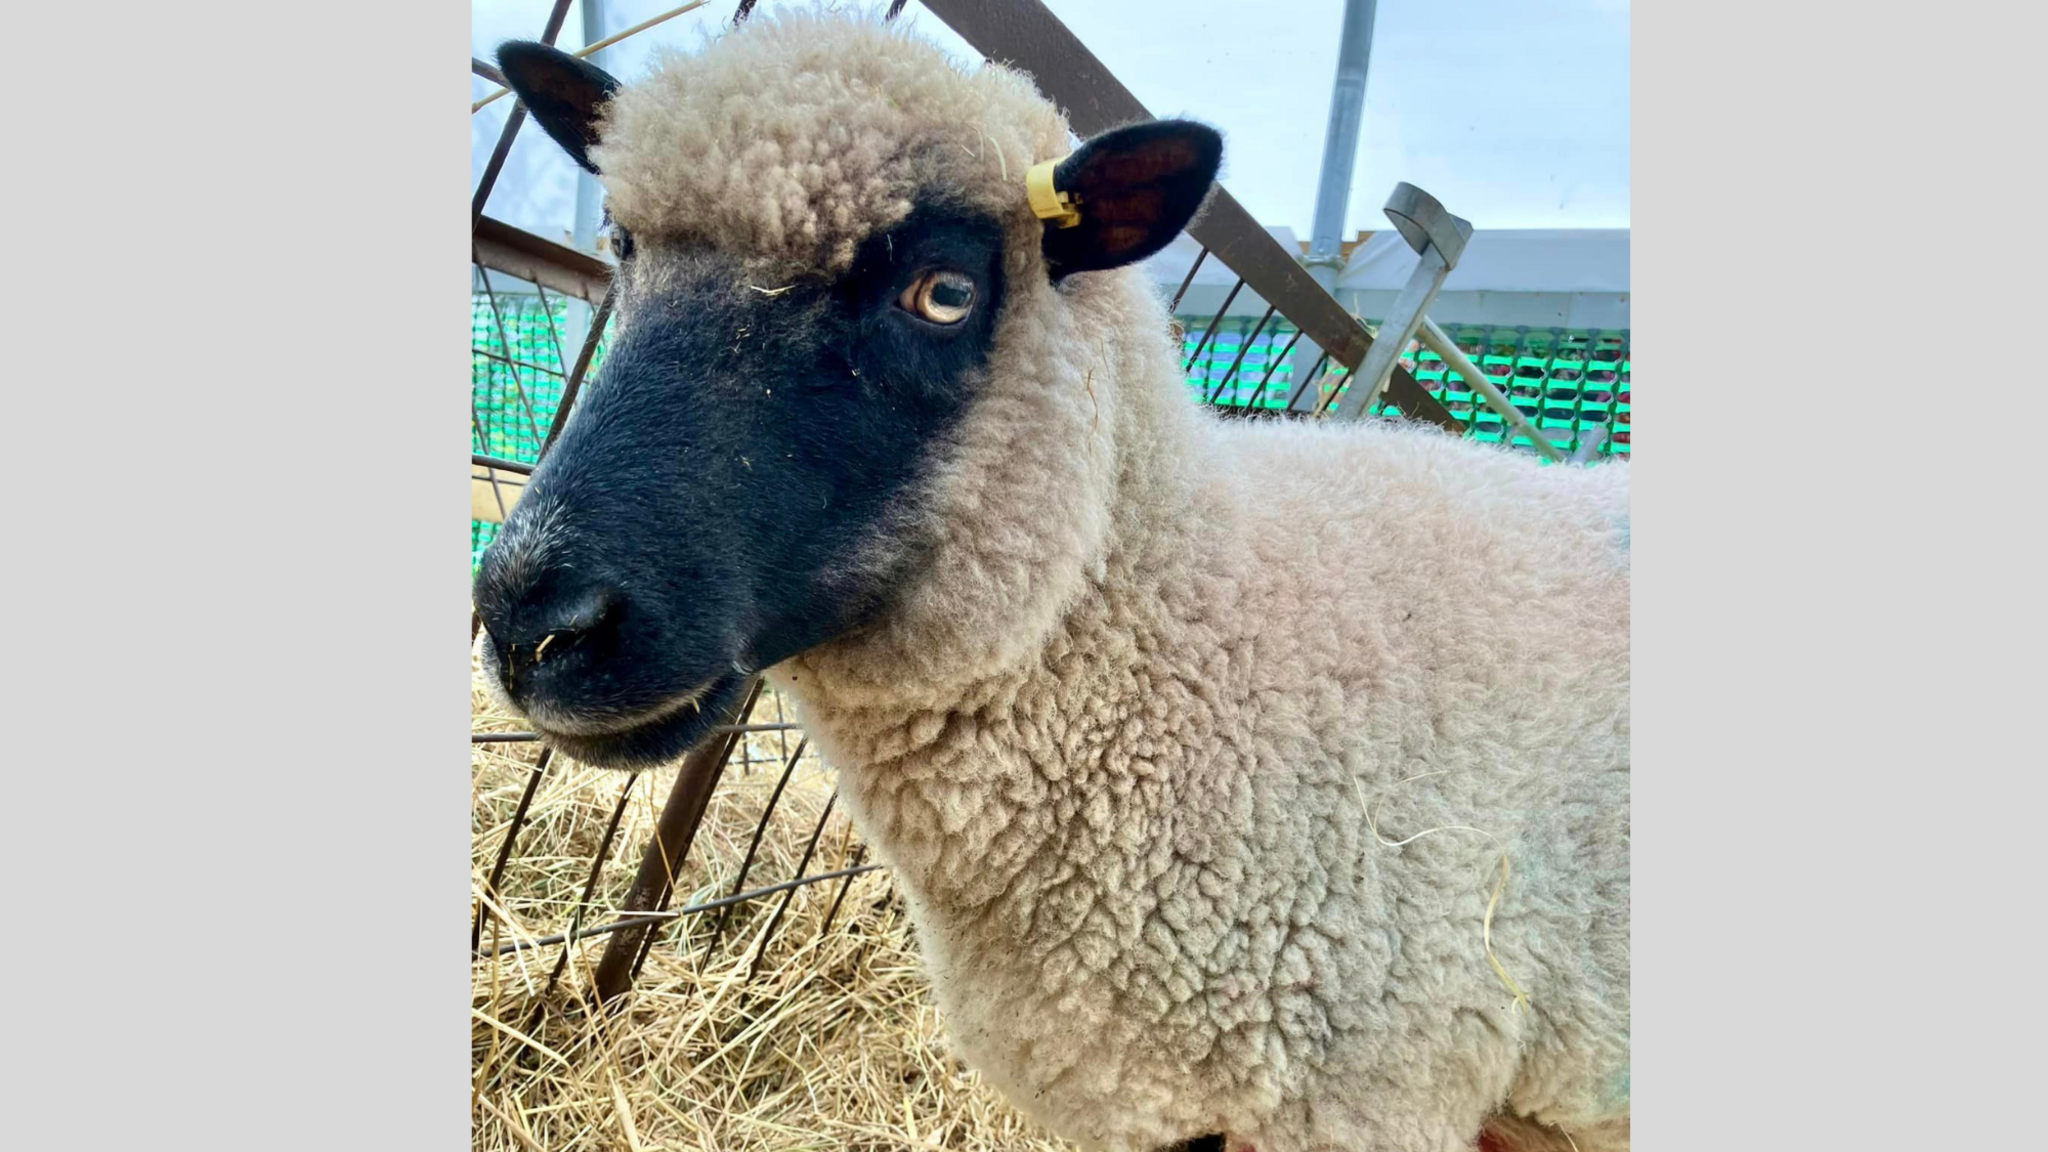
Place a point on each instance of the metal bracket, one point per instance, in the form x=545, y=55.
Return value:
x=1439, y=240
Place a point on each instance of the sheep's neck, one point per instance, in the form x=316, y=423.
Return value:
x=986, y=797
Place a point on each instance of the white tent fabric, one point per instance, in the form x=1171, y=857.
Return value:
x=1503, y=260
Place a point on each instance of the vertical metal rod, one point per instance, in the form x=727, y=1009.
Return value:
x=1307, y=379
x=662, y=860
x=768, y=933
x=532, y=420
x=1211, y=332
x=588, y=192
x=604, y=848
x=1241, y=350
x=761, y=826
x=1340, y=140
x=540, y=767
x=1273, y=365
x=859, y=857
x=1187, y=280
x=582, y=368
x=1404, y=316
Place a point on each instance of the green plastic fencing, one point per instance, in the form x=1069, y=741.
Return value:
x=517, y=367
x=1566, y=381
x=1260, y=379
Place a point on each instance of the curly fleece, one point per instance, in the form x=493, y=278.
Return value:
x=1119, y=733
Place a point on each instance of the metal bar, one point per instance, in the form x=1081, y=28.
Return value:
x=1025, y=33
x=601, y=45
x=505, y=337
x=653, y=935
x=1209, y=333
x=516, y=118
x=499, y=463
x=720, y=730
x=1403, y=317
x=487, y=71
x=574, y=385
x=1590, y=440
x=597, y=860
x=540, y=767
x=1307, y=378
x=768, y=933
x=760, y=827
x=1241, y=350
x=1437, y=341
x=554, y=336
x=497, y=493
x=669, y=847
x=495, y=164
x=679, y=913
x=859, y=855
x=1340, y=142
x=1187, y=280
x=1273, y=365
x=514, y=362
x=522, y=255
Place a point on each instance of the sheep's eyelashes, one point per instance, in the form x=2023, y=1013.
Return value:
x=940, y=296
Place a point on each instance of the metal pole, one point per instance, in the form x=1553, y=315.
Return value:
x=1340, y=154
x=589, y=196
x=1340, y=142
x=1434, y=339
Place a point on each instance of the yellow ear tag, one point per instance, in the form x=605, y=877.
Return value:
x=1047, y=202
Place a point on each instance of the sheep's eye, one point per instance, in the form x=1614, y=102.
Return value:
x=941, y=296
x=622, y=243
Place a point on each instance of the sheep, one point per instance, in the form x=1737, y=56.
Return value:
x=1262, y=782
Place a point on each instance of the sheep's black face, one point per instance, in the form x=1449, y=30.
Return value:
x=713, y=506
x=699, y=518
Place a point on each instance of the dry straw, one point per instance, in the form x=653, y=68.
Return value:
x=832, y=1044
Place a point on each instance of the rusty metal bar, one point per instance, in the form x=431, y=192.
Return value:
x=1209, y=333
x=513, y=362
x=1307, y=378
x=1243, y=348
x=653, y=935
x=516, y=118
x=669, y=847
x=499, y=463
x=487, y=71
x=679, y=913
x=720, y=730
x=1273, y=365
x=574, y=384
x=1025, y=33
x=504, y=337
x=1187, y=280
x=540, y=767
x=522, y=255
x=768, y=933
x=604, y=849
x=760, y=827
x=860, y=854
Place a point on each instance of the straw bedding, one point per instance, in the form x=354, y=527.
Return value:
x=832, y=1044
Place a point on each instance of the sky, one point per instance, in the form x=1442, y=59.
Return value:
x=1513, y=113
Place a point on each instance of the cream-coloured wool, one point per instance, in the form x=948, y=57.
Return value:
x=1118, y=738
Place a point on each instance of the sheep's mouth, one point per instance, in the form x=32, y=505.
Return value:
x=653, y=739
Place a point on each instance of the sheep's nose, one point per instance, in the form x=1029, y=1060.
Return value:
x=547, y=620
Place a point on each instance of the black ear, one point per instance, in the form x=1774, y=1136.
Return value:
x=563, y=93
x=1135, y=189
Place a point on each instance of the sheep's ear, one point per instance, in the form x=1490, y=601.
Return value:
x=564, y=94
x=1135, y=189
